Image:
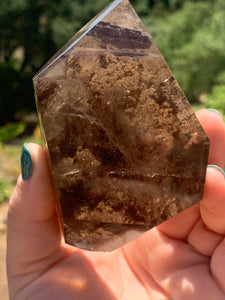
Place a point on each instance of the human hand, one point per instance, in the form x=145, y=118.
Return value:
x=181, y=259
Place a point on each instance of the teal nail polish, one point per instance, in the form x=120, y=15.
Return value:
x=26, y=163
x=216, y=111
x=217, y=167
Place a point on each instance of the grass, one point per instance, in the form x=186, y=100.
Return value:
x=10, y=152
x=6, y=189
x=10, y=169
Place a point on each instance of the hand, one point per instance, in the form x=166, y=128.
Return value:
x=181, y=259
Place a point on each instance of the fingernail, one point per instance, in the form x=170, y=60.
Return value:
x=218, y=168
x=26, y=163
x=216, y=111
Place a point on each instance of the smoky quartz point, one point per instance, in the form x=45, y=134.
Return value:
x=125, y=148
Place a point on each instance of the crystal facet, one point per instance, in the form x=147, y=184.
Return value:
x=126, y=150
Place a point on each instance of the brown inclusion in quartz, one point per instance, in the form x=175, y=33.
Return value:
x=126, y=150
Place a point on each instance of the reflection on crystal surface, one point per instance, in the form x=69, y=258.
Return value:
x=126, y=149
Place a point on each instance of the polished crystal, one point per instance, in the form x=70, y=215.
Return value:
x=126, y=149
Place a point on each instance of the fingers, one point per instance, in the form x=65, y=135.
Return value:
x=214, y=127
x=203, y=239
x=212, y=206
x=180, y=226
x=218, y=265
x=214, y=216
x=33, y=230
x=29, y=197
x=206, y=232
x=209, y=239
x=209, y=230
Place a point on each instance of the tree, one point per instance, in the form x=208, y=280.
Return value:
x=216, y=98
x=40, y=27
x=189, y=34
x=191, y=40
x=36, y=29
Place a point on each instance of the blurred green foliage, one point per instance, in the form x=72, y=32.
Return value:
x=10, y=169
x=11, y=130
x=193, y=44
x=6, y=189
x=16, y=92
x=216, y=98
x=189, y=33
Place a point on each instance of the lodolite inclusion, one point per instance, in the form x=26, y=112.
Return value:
x=126, y=149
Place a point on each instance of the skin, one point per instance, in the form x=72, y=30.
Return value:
x=183, y=258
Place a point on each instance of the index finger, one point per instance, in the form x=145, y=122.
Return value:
x=213, y=124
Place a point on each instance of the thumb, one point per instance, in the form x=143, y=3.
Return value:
x=33, y=236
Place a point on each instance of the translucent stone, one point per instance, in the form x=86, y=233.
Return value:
x=126, y=149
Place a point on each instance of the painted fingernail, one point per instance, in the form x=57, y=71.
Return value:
x=216, y=111
x=218, y=168
x=26, y=163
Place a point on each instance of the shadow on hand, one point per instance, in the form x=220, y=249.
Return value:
x=74, y=278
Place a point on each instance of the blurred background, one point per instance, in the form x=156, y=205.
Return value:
x=189, y=33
